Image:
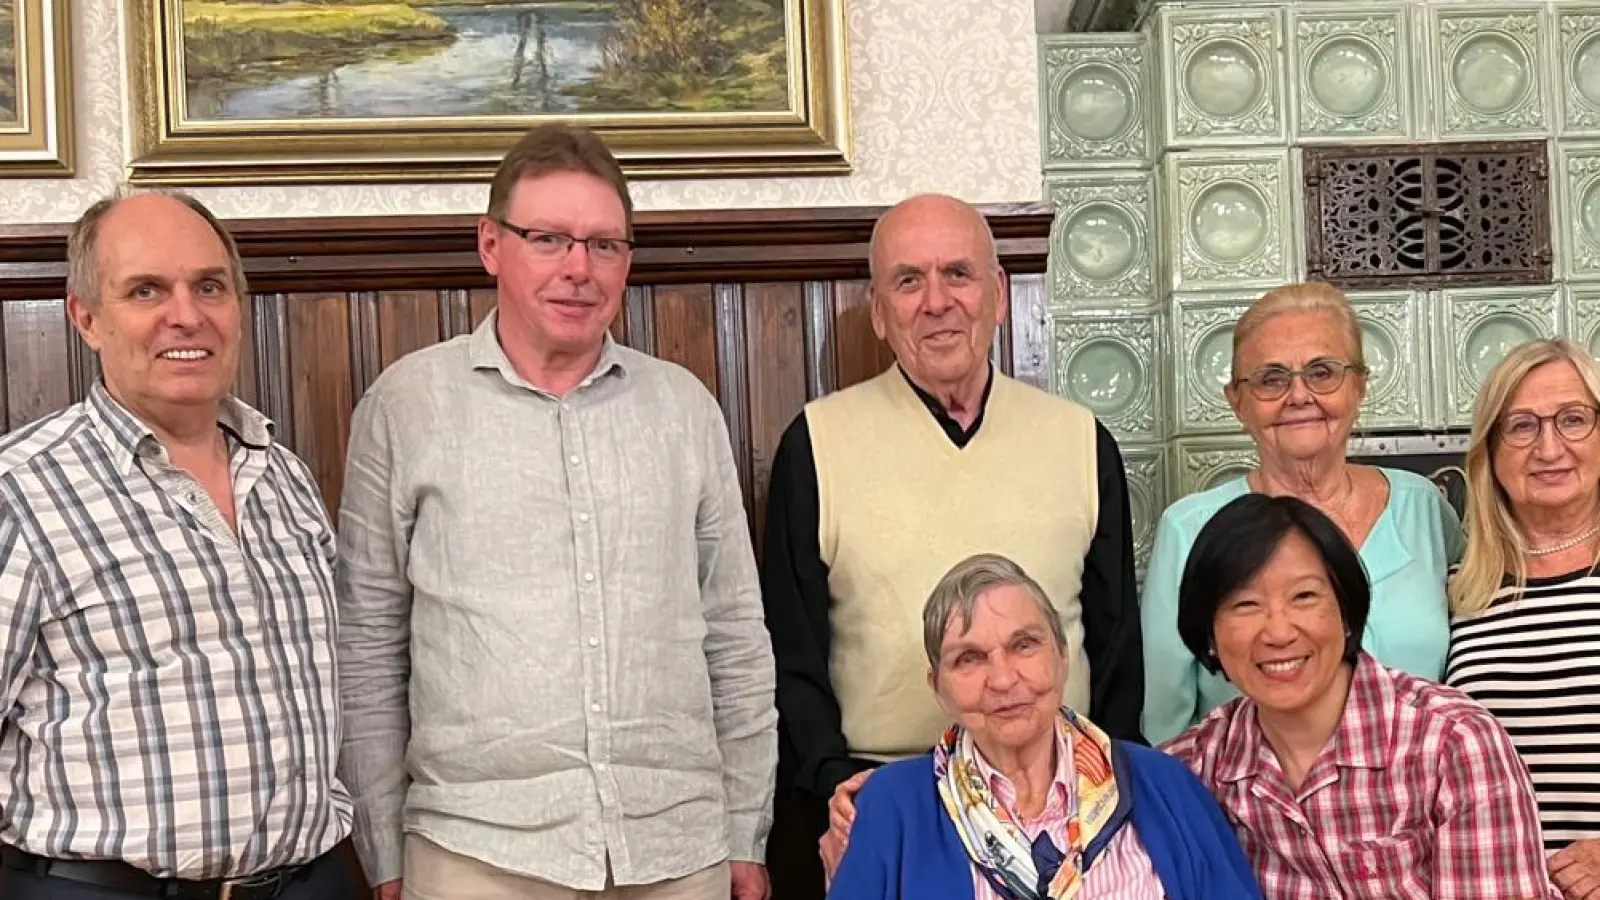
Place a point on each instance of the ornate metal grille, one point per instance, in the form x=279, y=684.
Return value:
x=1425, y=216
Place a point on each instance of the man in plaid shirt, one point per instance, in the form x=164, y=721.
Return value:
x=1342, y=778
x=169, y=717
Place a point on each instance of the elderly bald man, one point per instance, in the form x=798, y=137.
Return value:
x=878, y=489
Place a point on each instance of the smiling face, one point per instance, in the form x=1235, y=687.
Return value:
x=1002, y=679
x=1281, y=637
x=166, y=321
x=938, y=294
x=1553, y=473
x=1301, y=424
x=559, y=305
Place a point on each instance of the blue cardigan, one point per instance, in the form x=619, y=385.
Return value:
x=903, y=845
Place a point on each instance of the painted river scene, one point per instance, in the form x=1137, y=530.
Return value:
x=302, y=59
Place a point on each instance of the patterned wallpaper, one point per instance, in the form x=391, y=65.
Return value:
x=942, y=100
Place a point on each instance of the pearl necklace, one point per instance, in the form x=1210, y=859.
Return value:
x=1567, y=544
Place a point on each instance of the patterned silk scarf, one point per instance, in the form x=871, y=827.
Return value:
x=993, y=835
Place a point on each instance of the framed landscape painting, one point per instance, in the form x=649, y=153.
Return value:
x=35, y=89
x=232, y=91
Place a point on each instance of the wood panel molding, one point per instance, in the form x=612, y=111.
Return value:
x=286, y=255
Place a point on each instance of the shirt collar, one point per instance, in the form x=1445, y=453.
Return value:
x=958, y=435
x=1060, y=788
x=1360, y=741
x=130, y=438
x=485, y=352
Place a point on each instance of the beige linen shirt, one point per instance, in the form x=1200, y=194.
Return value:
x=552, y=651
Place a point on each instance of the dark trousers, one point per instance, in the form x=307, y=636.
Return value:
x=799, y=820
x=327, y=879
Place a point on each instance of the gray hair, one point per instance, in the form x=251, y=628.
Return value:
x=83, y=249
x=958, y=593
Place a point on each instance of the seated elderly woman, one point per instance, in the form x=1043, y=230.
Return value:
x=1526, y=637
x=1342, y=777
x=1023, y=798
x=1299, y=377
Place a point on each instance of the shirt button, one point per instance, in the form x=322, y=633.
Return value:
x=583, y=517
x=588, y=576
x=599, y=767
x=594, y=707
x=594, y=642
x=573, y=459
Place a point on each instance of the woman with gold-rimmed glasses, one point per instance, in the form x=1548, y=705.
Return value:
x=1525, y=640
x=1299, y=376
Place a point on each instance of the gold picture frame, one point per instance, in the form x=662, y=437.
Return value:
x=35, y=89
x=339, y=113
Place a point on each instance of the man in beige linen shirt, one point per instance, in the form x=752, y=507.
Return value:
x=554, y=670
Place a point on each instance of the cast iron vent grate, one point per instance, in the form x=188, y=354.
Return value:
x=1428, y=216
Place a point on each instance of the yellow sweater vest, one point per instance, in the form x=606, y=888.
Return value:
x=900, y=504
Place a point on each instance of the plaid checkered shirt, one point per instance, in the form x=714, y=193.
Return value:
x=169, y=693
x=1419, y=795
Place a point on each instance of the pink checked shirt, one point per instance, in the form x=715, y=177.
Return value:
x=1122, y=871
x=1418, y=796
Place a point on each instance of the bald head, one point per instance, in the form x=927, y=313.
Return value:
x=129, y=209
x=938, y=293
x=925, y=211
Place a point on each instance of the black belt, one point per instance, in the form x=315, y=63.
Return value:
x=119, y=876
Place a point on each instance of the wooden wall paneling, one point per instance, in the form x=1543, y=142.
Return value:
x=822, y=360
x=37, y=369
x=480, y=302
x=1029, y=350
x=639, y=311
x=5, y=376
x=733, y=380
x=83, y=363
x=778, y=366
x=244, y=382
x=455, y=311
x=365, y=358
x=686, y=330
x=858, y=352
x=462, y=309
x=323, y=382
x=274, y=387
x=407, y=321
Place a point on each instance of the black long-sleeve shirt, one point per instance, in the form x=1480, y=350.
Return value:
x=813, y=755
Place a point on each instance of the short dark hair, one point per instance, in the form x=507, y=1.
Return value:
x=556, y=147
x=1235, y=546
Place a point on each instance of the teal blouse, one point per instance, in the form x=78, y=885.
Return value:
x=1407, y=556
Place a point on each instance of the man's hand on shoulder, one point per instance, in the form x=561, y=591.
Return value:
x=389, y=890
x=841, y=818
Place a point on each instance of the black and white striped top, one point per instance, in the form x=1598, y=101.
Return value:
x=1534, y=662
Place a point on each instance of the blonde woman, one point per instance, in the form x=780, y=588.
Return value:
x=1299, y=376
x=1525, y=638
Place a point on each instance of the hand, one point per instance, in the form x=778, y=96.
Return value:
x=389, y=890
x=749, y=881
x=841, y=818
x=1576, y=870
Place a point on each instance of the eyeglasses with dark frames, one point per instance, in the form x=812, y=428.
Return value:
x=1321, y=376
x=557, y=244
x=1572, y=423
